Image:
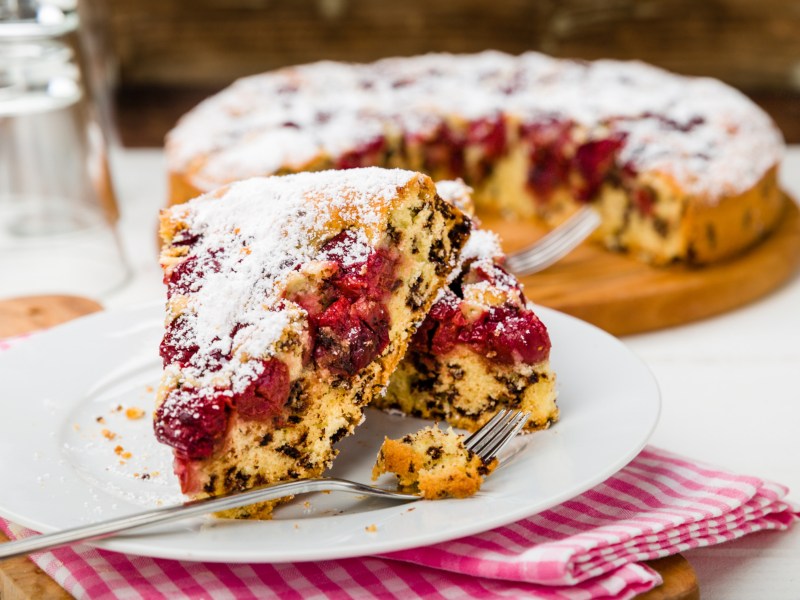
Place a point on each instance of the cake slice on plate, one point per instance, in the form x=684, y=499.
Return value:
x=290, y=302
x=481, y=347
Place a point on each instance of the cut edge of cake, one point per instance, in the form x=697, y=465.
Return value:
x=481, y=348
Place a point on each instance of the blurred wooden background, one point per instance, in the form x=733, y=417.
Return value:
x=171, y=53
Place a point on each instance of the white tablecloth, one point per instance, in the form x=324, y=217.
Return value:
x=729, y=384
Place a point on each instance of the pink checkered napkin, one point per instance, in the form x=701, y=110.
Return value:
x=586, y=548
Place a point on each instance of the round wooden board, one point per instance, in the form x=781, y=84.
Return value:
x=624, y=296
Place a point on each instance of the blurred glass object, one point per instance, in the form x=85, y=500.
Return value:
x=58, y=211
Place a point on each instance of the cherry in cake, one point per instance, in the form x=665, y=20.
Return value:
x=481, y=347
x=290, y=302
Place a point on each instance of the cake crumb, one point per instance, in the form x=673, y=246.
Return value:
x=109, y=435
x=371, y=528
x=100, y=420
x=149, y=389
x=134, y=413
x=433, y=463
x=121, y=452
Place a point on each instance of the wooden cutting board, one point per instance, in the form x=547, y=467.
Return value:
x=624, y=296
x=21, y=579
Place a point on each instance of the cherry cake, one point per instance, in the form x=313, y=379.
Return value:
x=481, y=347
x=290, y=302
x=680, y=169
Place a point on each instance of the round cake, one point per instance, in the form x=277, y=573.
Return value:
x=680, y=169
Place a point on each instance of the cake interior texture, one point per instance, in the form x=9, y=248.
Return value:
x=290, y=302
x=433, y=463
x=481, y=348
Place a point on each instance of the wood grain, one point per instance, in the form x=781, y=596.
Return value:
x=680, y=580
x=21, y=579
x=624, y=296
x=21, y=315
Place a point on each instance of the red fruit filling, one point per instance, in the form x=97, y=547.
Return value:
x=187, y=276
x=506, y=333
x=367, y=155
x=348, y=317
x=550, y=166
x=174, y=347
x=350, y=335
x=644, y=199
x=552, y=160
x=595, y=161
x=442, y=151
x=266, y=395
x=192, y=424
x=490, y=136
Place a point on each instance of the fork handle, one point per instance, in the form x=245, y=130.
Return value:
x=192, y=508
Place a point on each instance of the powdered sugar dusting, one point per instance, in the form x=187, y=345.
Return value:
x=483, y=244
x=710, y=138
x=457, y=193
x=250, y=237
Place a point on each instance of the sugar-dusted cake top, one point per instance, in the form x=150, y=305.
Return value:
x=709, y=137
x=243, y=242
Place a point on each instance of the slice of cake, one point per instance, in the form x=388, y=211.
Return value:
x=481, y=347
x=433, y=463
x=290, y=302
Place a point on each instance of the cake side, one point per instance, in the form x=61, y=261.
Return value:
x=291, y=300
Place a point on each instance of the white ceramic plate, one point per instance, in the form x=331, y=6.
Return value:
x=59, y=468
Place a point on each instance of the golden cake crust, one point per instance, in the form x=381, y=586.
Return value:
x=433, y=463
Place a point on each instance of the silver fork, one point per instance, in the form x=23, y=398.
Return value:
x=556, y=244
x=487, y=442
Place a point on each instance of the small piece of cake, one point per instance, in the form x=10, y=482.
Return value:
x=433, y=463
x=481, y=347
x=680, y=168
x=290, y=302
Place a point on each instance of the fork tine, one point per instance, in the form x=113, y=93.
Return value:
x=497, y=432
x=485, y=430
x=502, y=439
x=555, y=244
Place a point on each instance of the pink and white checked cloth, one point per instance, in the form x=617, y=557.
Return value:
x=586, y=548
